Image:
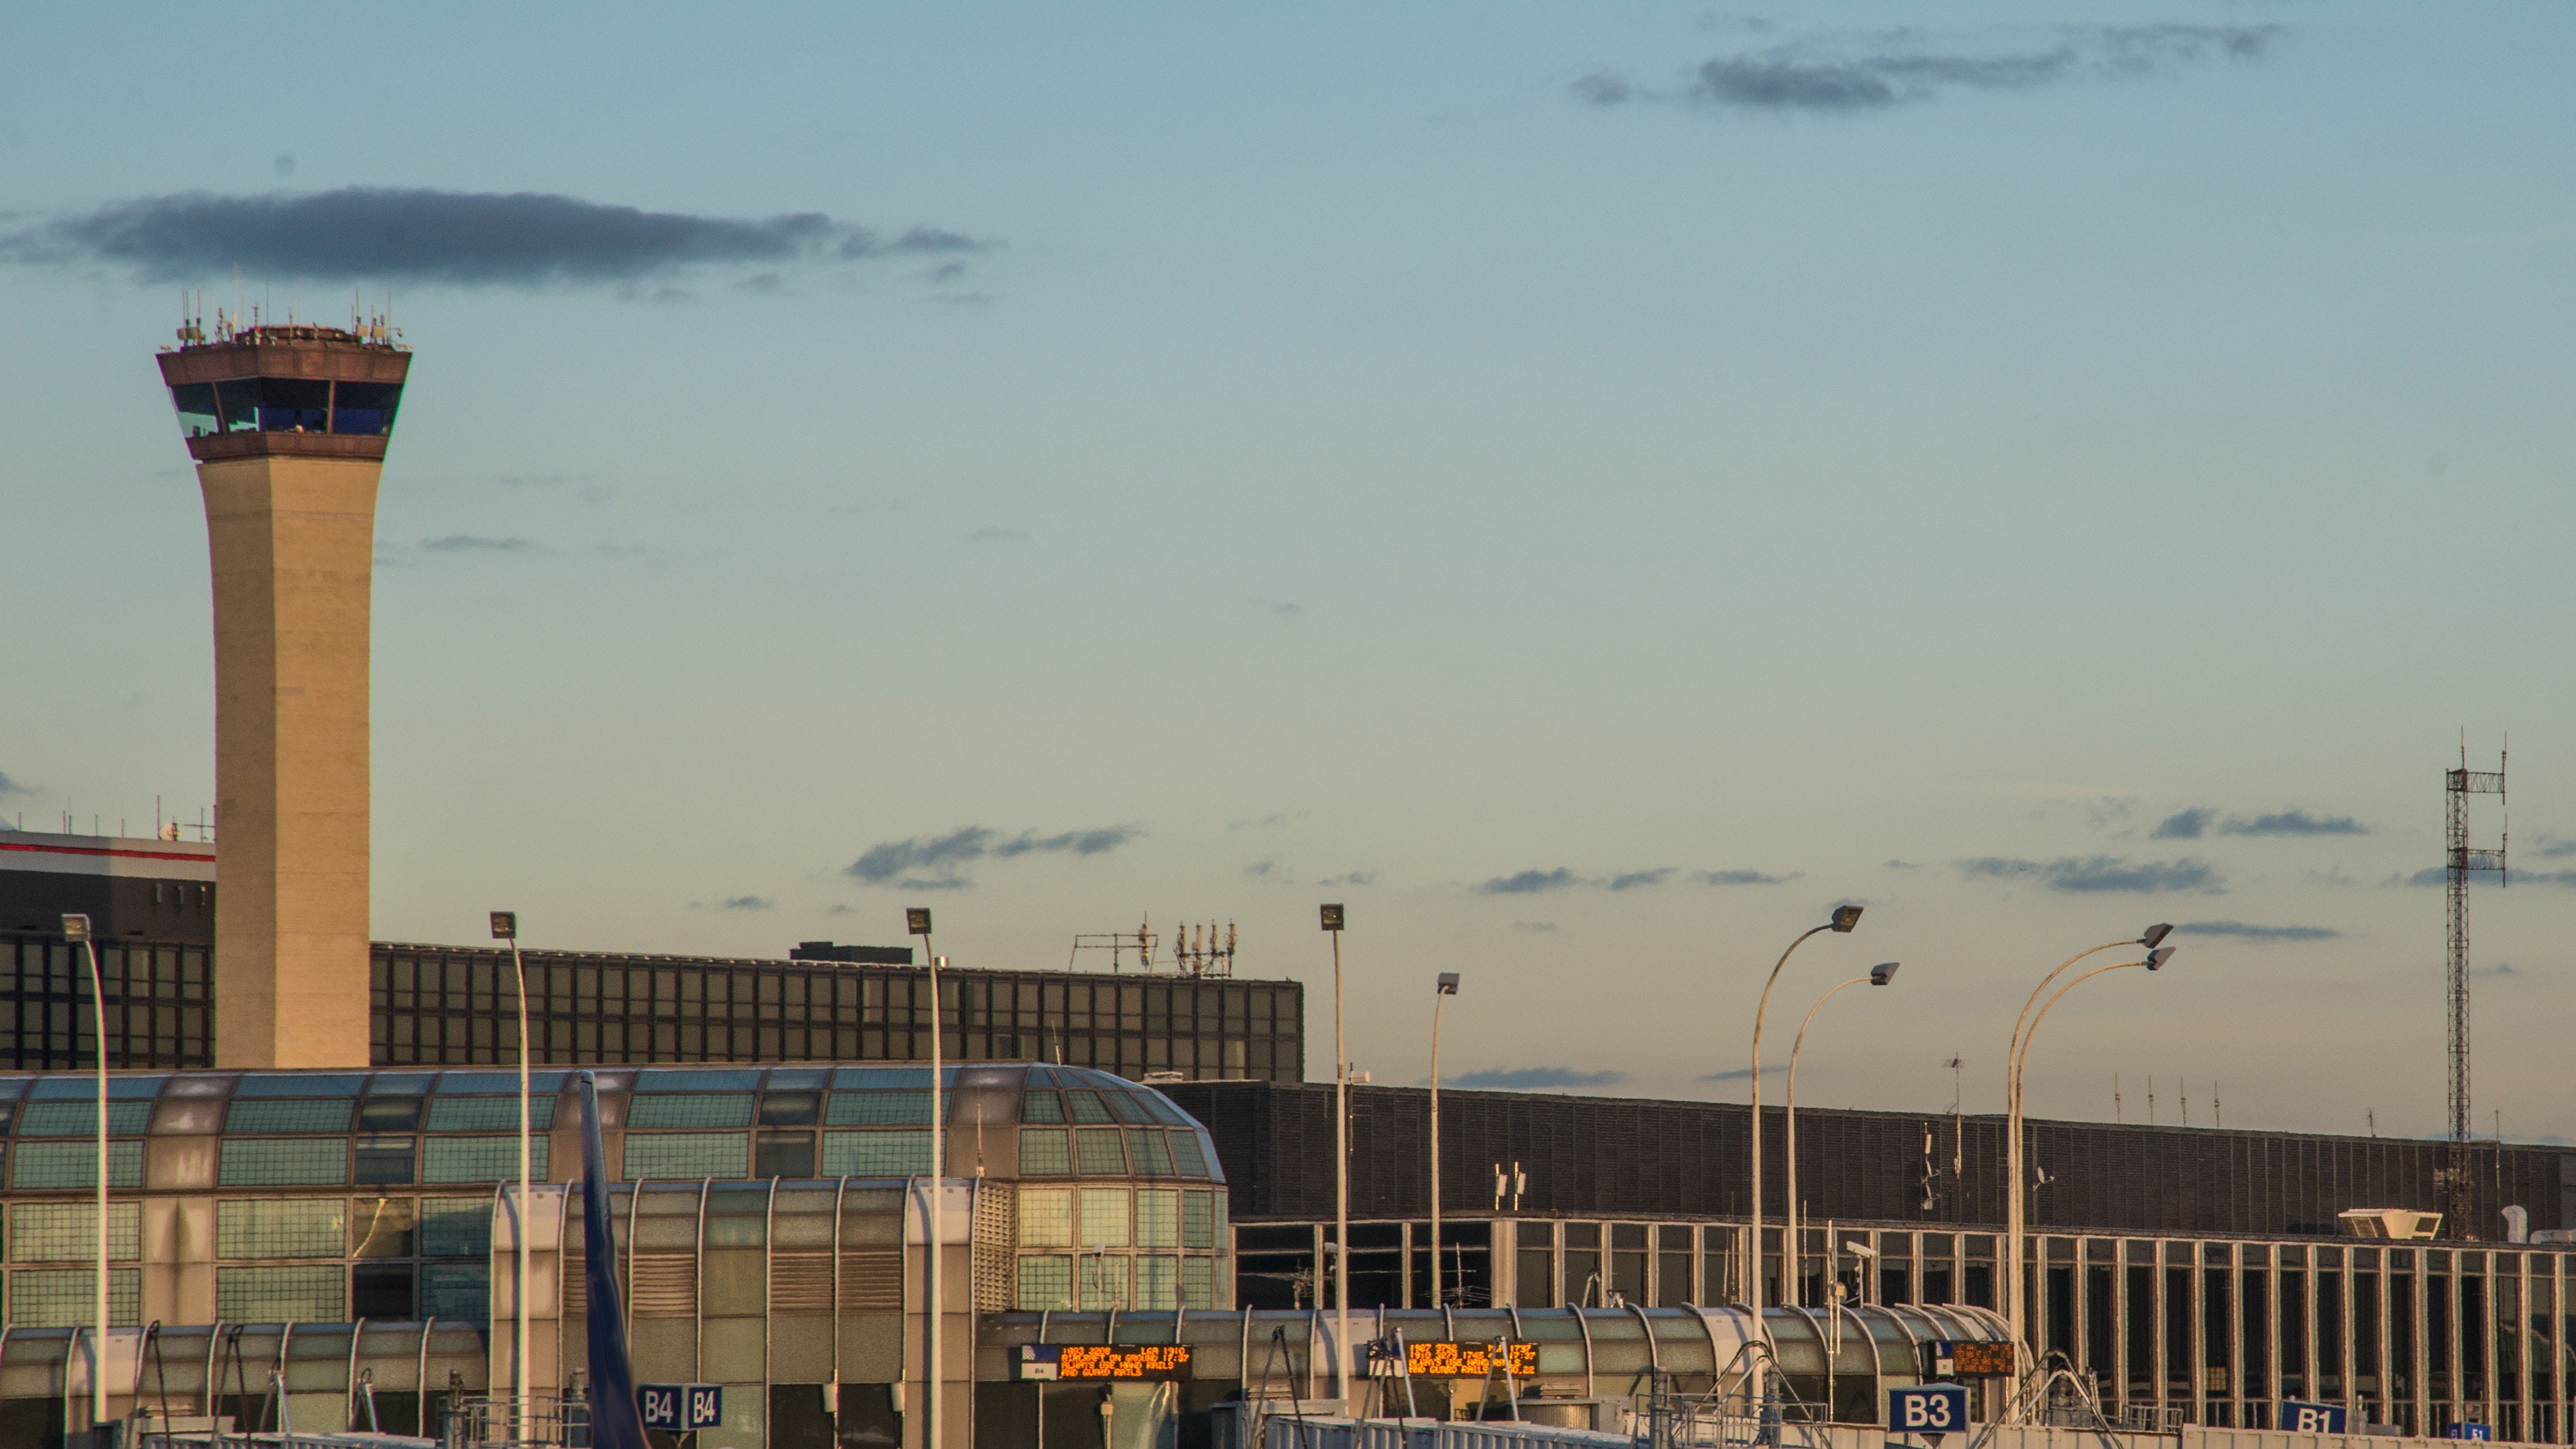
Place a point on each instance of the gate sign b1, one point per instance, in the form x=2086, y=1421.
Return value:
x=2298, y=1418
x=680, y=1408
x=1930, y=1410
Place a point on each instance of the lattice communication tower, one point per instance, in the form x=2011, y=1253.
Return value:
x=2460, y=860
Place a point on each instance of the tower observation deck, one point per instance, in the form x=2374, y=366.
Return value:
x=288, y=426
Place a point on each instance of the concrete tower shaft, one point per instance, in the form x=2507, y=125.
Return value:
x=288, y=426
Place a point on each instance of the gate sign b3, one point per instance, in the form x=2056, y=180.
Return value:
x=2299, y=1418
x=680, y=1408
x=1930, y=1410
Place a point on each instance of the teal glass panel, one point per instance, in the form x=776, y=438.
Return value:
x=488, y=1114
x=455, y=1227
x=677, y=1079
x=878, y=1109
x=876, y=1154
x=80, y=1119
x=690, y=1109
x=283, y=1161
x=480, y=1159
x=42, y=1165
x=686, y=1154
x=1044, y=1152
x=298, y=1084
x=1099, y=1152
x=287, y=1115
x=315, y=1293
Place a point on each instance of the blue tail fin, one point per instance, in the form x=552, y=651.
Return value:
x=614, y=1420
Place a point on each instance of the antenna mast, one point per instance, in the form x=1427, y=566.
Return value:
x=2460, y=860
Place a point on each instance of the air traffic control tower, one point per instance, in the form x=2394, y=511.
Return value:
x=288, y=426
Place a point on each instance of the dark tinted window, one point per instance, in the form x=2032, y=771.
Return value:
x=196, y=404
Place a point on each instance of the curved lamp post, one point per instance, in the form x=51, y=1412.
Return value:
x=1792, y=1276
x=1844, y=918
x=1441, y=991
x=2023, y=1030
x=505, y=927
x=76, y=929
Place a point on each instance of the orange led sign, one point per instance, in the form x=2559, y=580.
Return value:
x=1470, y=1360
x=1123, y=1361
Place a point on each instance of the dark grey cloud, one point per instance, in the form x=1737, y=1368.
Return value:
x=1601, y=88
x=1352, y=878
x=2552, y=847
x=2434, y=875
x=2101, y=873
x=745, y=903
x=474, y=543
x=379, y=235
x=1742, y=1074
x=1630, y=880
x=2293, y=822
x=2242, y=931
x=2184, y=825
x=934, y=862
x=1741, y=877
x=1528, y=882
x=1535, y=1079
x=10, y=787
x=1855, y=75
x=2501, y=968
x=1262, y=867
x=1905, y=865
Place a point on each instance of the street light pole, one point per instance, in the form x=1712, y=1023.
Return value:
x=1845, y=917
x=916, y=920
x=76, y=928
x=1332, y=923
x=1441, y=991
x=505, y=927
x=2022, y=1025
x=1793, y=1284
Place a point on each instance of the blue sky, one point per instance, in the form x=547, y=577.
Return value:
x=1591, y=487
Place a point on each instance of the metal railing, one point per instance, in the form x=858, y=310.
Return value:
x=550, y=1421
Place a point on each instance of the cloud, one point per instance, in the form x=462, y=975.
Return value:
x=2501, y=968
x=1264, y=823
x=2101, y=873
x=1603, y=89
x=745, y=903
x=1282, y=608
x=2544, y=877
x=2243, y=931
x=1741, y=877
x=1905, y=865
x=1352, y=878
x=1741, y=1074
x=1262, y=867
x=1877, y=73
x=471, y=543
x=1630, y=880
x=2554, y=847
x=1528, y=882
x=2433, y=875
x=2294, y=822
x=1541, y=927
x=10, y=787
x=379, y=235
x=1534, y=1079
x=2184, y=825
x=933, y=862
x=997, y=535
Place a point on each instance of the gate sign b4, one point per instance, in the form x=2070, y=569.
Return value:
x=680, y=1408
x=1930, y=1410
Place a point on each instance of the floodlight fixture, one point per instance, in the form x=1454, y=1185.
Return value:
x=1882, y=973
x=2157, y=958
x=1448, y=984
x=1846, y=917
x=1857, y=1248
x=75, y=927
x=505, y=925
x=1332, y=917
x=916, y=920
x=2154, y=935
